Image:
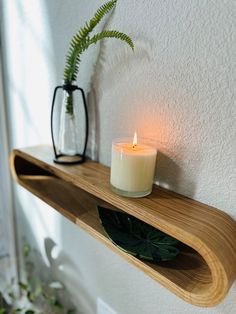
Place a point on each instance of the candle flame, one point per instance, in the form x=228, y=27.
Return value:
x=135, y=140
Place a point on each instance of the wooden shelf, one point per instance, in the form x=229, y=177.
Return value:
x=206, y=268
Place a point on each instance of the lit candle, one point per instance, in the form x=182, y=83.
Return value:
x=132, y=167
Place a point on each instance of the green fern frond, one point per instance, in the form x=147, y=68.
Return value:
x=104, y=9
x=73, y=61
x=112, y=34
x=89, y=26
x=79, y=41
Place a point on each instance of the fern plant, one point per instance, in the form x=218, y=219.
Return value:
x=82, y=40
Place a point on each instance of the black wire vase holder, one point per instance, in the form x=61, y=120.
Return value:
x=68, y=150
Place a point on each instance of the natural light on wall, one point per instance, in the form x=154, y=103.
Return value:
x=29, y=82
x=30, y=64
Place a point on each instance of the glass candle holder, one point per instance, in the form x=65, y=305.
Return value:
x=132, y=168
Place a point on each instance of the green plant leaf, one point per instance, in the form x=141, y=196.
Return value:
x=30, y=296
x=112, y=34
x=136, y=237
x=11, y=295
x=2, y=311
x=55, y=302
x=78, y=42
x=38, y=290
x=26, y=250
x=23, y=286
x=81, y=41
x=16, y=310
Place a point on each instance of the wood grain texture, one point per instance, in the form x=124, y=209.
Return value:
x=203, y=272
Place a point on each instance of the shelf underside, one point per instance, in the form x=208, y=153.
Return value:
x=189, y=275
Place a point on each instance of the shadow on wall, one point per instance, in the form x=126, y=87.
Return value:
x=106, y=64
x=172, y=176
x=115, y=63
x=52, y=268
x=47, y=278
x=57, y=269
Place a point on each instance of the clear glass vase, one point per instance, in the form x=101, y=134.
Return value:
x=72, y=124
x=68, y=138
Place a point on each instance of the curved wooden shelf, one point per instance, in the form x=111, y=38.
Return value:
x=206, y=268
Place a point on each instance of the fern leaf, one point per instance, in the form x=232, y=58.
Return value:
x=104, y=9
x=112, y=34
x=81, y=41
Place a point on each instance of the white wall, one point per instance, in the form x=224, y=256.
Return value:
x=8, y=267
x=177, y=88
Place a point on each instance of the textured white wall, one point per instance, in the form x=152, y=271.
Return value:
x=177, y=88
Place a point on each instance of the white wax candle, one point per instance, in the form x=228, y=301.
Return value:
x=132, y=168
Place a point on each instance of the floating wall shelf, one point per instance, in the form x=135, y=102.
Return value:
x=206, y=268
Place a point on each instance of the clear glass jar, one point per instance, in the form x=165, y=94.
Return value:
x=68, y=138
x=132, y=168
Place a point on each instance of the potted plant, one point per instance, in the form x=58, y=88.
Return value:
x=68, y=142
